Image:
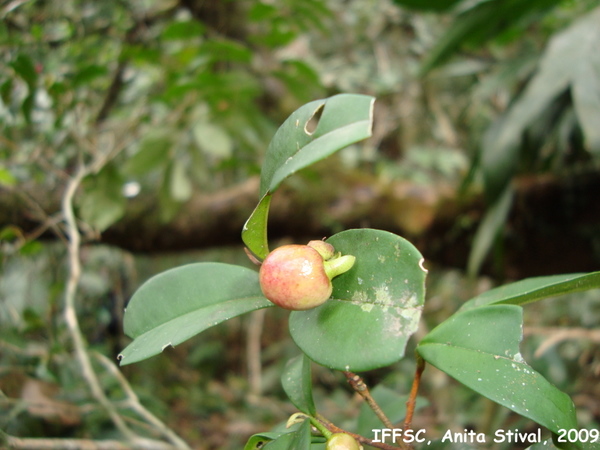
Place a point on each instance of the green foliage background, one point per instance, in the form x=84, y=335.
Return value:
x=174, y=98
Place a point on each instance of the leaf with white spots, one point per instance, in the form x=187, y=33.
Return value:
x=375, y=306
x=480, y=348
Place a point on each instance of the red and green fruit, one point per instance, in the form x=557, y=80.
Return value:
x=298, y=277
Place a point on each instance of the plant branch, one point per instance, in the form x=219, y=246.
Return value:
x=359, y=386
x=412, y=398
x=555, y=335
x=87, y=444
x=134, y=404
x=112, y=94
x=70, y=314
x=80, y=348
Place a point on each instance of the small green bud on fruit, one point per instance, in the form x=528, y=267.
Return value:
x=339, y=265
x=298, y=277
x=325, y=250
x=342, y=441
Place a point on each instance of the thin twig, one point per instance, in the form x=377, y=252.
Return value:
x=70, y=314
x=80, y=349
x=556, y=335
x=412, y=398
x=81, y=444
x=359, y=386
x=39, y=214
x=133, y=403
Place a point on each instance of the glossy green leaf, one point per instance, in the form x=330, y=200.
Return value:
x=299, y=439
x=480, y=348
x=297, y=384
x=341, y=120
x=175, y=305
x=536, y=288
x=375, y=306
x=311, y=133
x=254, y=233
x=258, y=441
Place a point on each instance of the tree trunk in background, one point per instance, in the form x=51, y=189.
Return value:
x=554, y=226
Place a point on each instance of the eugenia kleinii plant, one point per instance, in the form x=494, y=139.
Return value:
x=374, y=280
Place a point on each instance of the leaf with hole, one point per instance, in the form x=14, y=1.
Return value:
x=313, y=132
x=175, y=305
x=375, y=306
